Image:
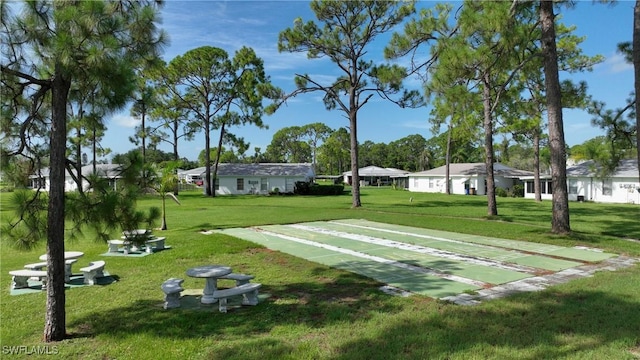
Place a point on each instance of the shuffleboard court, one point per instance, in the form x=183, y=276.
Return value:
x=428, y=262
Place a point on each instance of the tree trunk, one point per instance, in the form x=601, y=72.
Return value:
x=560, y=212
x=492, y=207
x=355, y=176
x=536, y=165
x=215, y=167
x=636, y=68
x=207, y=158
x=93, y=148
x=164, y=213
x=55, y=318
x=448, y=160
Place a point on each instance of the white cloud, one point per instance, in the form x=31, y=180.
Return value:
x=616, y=63
x=125, y=120
x=417, y=124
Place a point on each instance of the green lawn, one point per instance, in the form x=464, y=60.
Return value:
x=315, y=312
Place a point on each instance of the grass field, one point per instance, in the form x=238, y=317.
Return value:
x=315, y=312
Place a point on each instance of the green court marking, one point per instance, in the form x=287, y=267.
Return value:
x=411, y=281
x=477, y=250
x=544, y=249
x=488, y=274
x=378, y=250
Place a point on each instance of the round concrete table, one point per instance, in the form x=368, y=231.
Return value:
x=70, y=257
x=211, y=273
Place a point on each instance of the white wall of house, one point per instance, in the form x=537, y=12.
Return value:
x=458, y=184
x=612, y=190
x=234, y=185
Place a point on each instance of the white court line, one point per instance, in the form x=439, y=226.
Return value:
x=378, y=259
x=513, y=253
x=419, y=249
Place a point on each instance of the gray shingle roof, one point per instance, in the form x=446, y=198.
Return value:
x=262, y=169
x=626, y=168
x=471, y=169
x=377, y=171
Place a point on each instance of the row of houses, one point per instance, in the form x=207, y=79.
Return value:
x=622, y=186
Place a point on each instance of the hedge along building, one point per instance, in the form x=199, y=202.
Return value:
x=465, y=178
x=264, y=178
x=584, y=183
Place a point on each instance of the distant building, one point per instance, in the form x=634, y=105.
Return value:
x=621, y=186
x=262, y=178
x=374, y=175
x=41, y=180
x=465, y=178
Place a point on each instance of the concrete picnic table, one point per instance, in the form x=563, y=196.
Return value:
x=68, y=255
x=211, y=273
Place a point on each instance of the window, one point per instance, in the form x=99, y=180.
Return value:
x=607, y=187
x=530, y=188
x=263, y=184
x=431, y=181
x=217, y=183
x=573, y=187
x=239, y=184
x=549, y=187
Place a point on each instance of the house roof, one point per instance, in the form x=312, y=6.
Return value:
x=626, y=168
x=104, y=170
x=377, y=171
x=474, y=169
x=261, y=169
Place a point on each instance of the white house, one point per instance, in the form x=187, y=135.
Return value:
x=621, y=186
x=375, y=175
x=465, y=178
x=41, y=180
x=234, y=179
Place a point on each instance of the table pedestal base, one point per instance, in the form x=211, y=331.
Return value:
x=207, y=294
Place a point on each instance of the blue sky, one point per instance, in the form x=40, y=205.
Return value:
x=230, y=25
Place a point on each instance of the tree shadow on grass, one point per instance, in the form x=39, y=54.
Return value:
x=347, y=298
x=550, y=324
x=547, y=325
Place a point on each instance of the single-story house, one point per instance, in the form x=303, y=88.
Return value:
x=41, y=180
x=262, y=178
x=375, y=175
x=583, y=183
x=465, y=178
x=193, y=176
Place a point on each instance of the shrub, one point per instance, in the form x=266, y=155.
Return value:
x=501, y=192
x=517, y=191
x=302, y=188
x=308, y=188
x=327, y=189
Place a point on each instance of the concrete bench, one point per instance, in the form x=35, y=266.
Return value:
x=157, y=242
x=67, y=267
x=249, y=294
x=114, y=246
x=21, y=278
x=93, y=271
x=36, y=266
x=172, y=289
x=240, y=279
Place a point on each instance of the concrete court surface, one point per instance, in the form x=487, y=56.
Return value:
x=461, y=268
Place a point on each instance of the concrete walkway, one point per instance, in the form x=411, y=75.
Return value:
x=542, y=282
